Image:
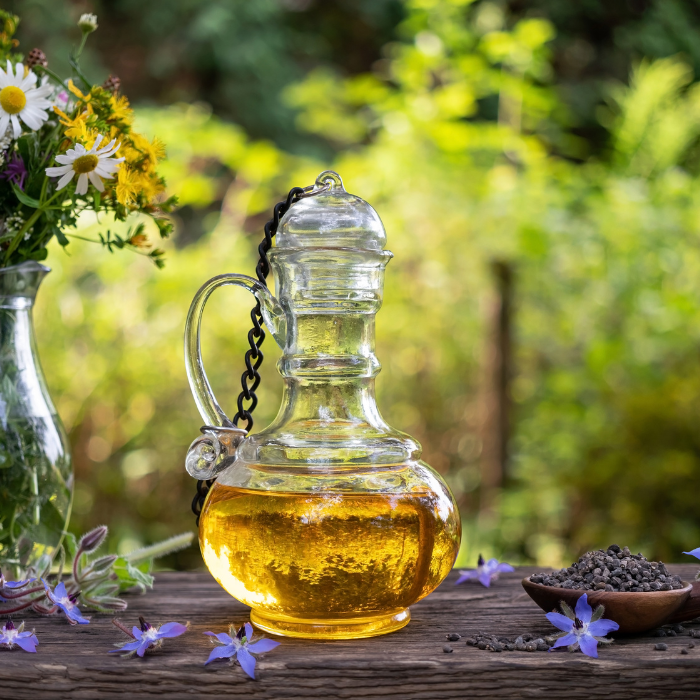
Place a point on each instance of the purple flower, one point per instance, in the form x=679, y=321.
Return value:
x=485, y=571
x=59, y=596
x=62, y=99
x=92, y=540
x=149, y=636
x=14, y=584
x=15, y=171
x=694, y=553
x=582, y=629
x=238, y=645
x=12, y=636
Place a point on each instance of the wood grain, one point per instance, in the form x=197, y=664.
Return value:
x=72, y=662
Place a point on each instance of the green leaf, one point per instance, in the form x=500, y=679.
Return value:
x=71, y=546
x=165, y=227
x=130, y=576
x=25, y=198
x=38, y=255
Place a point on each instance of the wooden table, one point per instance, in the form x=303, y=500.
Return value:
x=72, y=662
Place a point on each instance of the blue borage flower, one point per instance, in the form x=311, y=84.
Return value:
x=12, y=587
x=11, y=636
x=148, y=637
x=66, y=602
x=239, y=645
x=582, y=629
x=13, y=584
x=485, y=572
x=695, y=553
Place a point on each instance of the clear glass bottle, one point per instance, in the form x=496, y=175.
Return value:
x=326, y=523
x=36, y=476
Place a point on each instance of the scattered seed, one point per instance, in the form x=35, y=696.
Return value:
x=661, y=646
x=524, y=642
x=684, y=651
x=447, y=649
x=453, y=637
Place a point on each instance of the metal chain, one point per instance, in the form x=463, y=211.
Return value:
x=254, y=356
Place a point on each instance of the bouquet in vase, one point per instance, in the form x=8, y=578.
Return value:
x=66, y=147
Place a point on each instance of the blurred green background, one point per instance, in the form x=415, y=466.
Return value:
x=537, y=166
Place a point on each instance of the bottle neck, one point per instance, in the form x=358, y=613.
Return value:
x=23, y=391
x=330, y=347
x=329, y=415
x=18, y=288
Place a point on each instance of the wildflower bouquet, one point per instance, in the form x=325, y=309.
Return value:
x=67, y=147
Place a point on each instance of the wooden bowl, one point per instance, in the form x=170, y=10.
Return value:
x=634, y=612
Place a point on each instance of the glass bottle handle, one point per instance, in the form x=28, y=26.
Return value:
x=274, y=318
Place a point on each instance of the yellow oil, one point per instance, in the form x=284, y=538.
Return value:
x=328, y=564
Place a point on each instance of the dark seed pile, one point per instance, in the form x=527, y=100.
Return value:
x=525, y=642
x=614, y=569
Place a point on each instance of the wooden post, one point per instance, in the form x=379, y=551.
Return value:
x=496, y=384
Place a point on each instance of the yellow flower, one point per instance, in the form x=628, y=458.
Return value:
x=152, y=151
x=152, y=187
x=77, y=93
x=157, y=149
x=121, y=110
x=76, y=127
x=127, y=186
x=132, y=155
x=139, y=240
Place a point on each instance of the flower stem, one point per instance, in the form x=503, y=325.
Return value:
x=79, y=52
x=25, y=227
x=76, y=560
x=119, y=625
x=8, y=611
x=21, y=594
x=42, y=610
x=173, y=544
x=49, y=72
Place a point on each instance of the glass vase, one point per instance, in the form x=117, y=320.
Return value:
x=36, y=475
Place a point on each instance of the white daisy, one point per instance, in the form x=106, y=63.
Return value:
x=93, y=164
x=20, y=99
x=88, y=22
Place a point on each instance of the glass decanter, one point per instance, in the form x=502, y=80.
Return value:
x=326, y=523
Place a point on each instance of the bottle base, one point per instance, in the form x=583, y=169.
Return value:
x=353, y=628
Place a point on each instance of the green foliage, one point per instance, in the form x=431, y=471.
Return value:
x=235, y=55
x=8, y=27
x=456, y=139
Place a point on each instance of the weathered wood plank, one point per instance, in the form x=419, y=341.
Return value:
x=73, y=662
